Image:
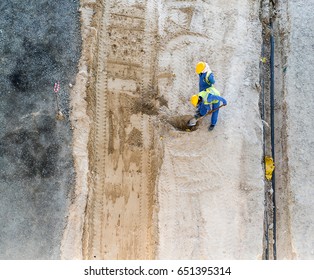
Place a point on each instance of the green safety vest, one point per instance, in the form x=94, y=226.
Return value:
x=204, y=94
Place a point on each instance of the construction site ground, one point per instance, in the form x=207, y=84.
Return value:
x=104, y=167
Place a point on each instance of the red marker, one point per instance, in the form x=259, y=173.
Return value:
x=56, y=87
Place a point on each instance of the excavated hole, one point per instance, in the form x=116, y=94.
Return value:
x=181, y=123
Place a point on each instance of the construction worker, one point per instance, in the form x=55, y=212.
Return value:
x=206, y=76
x=205, y=101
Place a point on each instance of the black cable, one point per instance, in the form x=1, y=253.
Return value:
x=272, y=124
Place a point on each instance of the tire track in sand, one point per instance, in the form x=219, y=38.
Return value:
x=119, y=222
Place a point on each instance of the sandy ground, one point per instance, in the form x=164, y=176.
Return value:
x=294, y=65
x=123, y=161
x=210, y=186
x=154, y=191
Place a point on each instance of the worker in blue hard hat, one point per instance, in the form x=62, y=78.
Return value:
x=206, y=76
x=205, y=101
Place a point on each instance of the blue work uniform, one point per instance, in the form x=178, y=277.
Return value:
x=210, y=101
x=206, y=80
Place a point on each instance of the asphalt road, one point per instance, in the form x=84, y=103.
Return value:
x=39, y=46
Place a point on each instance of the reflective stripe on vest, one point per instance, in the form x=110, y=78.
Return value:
x=206, y=77
x=204, y=94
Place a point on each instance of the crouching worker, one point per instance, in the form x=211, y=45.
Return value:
x=206, y=101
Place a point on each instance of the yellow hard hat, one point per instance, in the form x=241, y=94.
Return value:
x=200, y=66
x=194, y=100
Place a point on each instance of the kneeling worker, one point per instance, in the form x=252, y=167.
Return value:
x=205, y=101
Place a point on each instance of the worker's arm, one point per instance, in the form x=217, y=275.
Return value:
x=212, y=97
x=211, y=78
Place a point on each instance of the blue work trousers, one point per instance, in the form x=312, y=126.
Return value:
x=202, y=110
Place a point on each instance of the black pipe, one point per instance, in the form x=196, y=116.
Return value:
x=262, y=82
x=263, y=99
x=272, y=124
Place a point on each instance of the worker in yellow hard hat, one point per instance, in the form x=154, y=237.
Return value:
x=206, y=76
x=205, y=101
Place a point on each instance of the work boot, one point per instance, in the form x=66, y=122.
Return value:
x=211, y=127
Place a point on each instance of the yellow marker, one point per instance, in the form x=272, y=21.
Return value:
x=269, y=167
x=264, y=59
